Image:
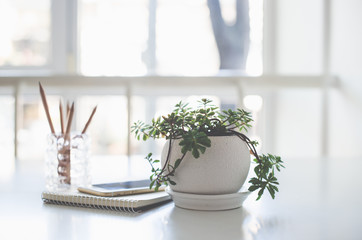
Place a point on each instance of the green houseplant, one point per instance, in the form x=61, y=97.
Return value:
x=192, y=129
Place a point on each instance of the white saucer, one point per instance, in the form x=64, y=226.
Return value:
x=208, y=202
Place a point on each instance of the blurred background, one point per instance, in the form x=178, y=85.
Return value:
x=296, y=65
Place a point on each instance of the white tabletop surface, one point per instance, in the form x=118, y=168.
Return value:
x=318, y=199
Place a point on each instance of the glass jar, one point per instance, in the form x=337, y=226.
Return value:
x=67, y=161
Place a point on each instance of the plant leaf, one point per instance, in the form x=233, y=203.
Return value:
x=177, y=163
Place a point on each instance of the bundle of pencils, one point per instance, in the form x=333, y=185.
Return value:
x=64, y=151
x=69, y=114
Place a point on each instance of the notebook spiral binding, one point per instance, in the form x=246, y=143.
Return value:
x=124, y=205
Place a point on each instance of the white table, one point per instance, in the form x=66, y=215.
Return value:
x=318, y=199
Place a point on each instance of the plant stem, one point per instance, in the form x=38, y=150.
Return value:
x=248, y=142
x=167, y=158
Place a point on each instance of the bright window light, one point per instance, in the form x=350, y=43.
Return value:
x=253, y=102
x=25, y=33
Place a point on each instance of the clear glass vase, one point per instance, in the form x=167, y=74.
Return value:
x=67, y=161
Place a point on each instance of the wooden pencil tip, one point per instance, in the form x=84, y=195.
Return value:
x=45, y=104
x=89, y=120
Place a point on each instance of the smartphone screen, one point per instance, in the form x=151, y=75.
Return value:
x=123, y=185
x=118, y=188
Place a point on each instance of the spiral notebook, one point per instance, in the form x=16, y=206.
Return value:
x=131, y=203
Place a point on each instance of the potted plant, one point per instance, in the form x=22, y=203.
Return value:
x=206, y=152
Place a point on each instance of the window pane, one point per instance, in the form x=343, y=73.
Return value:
x=184, y=38
x=6, y=136
x=298, y=123
x=25, y=32
x=170, y=37
x=34, y=126
x=108, y=128
x=113, y=35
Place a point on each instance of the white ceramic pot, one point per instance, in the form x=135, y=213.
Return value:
x=222, y=169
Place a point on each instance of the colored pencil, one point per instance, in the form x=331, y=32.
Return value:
x=89, y=120
x=61, y=117
x=70, y=118
x=46, y=108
